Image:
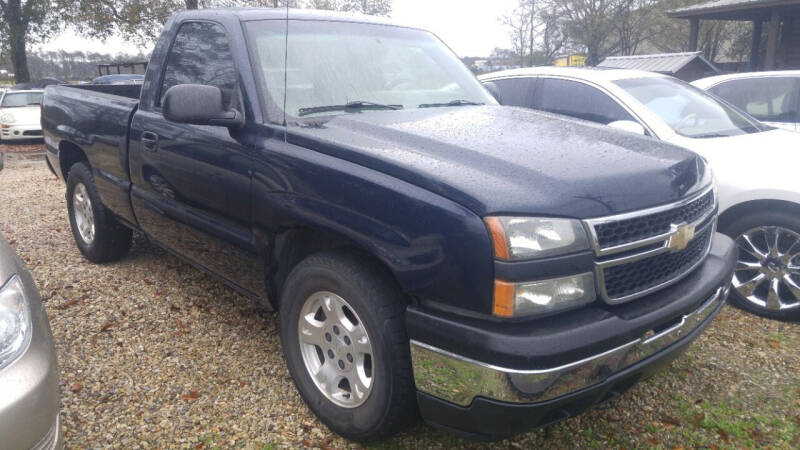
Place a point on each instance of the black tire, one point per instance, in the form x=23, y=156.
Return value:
x=112, y=240
x=391, y=404
x=740, y=225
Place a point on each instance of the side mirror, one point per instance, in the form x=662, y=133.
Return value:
x=494, y=90
x=629, y=126
x=199, y=104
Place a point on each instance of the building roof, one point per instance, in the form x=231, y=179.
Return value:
x=733, y=9
x=669, y=63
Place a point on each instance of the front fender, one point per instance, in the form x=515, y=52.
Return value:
x=436, y=249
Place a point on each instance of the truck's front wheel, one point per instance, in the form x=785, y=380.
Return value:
x=98, y=234
x=344, y=339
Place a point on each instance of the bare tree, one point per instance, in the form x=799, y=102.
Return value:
x=141, y=20
x=137, y=20
x=520, y=23
x=24, y=23
x=553, y=37
x=591, y=25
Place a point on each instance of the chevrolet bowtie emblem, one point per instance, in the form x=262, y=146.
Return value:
x=681, y=236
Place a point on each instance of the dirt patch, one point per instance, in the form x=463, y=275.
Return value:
x=22, y=146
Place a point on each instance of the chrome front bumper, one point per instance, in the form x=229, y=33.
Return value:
x=459, y=380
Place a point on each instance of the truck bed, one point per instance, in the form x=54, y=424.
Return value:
x=132, y=91
x=96, y=119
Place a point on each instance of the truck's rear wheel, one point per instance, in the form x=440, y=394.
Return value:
x=98, y=234
x=344, y=340
x=767, y=276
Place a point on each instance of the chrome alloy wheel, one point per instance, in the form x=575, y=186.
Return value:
x=768, y=270
x=83, y=212
x=336, y=349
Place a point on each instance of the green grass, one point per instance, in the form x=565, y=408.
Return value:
x=729, y=425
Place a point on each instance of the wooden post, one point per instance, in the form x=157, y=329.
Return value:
x=772, y=40
x=694, y=31
x=755, y=46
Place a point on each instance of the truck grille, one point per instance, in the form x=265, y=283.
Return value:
x=620, y=232
x=647, y=250
x=625, y=279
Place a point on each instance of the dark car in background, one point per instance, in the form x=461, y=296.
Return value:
x=119, y=79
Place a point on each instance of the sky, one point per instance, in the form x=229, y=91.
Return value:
x=469, y=27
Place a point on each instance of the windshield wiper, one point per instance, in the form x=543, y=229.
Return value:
x=357, y=105
x=450, y=103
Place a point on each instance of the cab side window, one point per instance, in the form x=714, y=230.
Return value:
x=516, y=91
x=578, y=100
x=201, y=54
x=773, y=99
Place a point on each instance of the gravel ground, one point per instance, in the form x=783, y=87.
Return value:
x=23, y=146
x=153, y=353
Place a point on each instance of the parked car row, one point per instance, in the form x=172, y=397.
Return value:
x=428, y=250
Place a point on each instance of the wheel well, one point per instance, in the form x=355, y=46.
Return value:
x=736, y=211
x=68, y=155
x=293, y=246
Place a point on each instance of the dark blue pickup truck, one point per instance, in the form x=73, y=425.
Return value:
x=494, y=269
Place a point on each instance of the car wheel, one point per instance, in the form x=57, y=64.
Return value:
x=98, y=234
x=343, y=336
x=767, y=276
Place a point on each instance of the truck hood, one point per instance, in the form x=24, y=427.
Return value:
x=503, y=160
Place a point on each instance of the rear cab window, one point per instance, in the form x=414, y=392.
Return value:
x=200, y=54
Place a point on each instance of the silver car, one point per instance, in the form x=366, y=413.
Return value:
x=29, y=396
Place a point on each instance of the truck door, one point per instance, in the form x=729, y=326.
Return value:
x=191, y=183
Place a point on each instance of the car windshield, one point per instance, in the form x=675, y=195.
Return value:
x=11, y=100
x=334, y=67
x=689, y=111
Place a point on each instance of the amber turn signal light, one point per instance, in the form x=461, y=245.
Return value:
x=499, y=241
x=503, y=299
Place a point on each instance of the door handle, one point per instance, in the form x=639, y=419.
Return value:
x=149, y=141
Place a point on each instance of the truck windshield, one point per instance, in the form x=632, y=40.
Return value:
x=21, y=99
x=689, y=111
x=334, y=67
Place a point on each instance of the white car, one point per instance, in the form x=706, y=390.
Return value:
x=755, y=164
x=20, y=115
x=771, y=97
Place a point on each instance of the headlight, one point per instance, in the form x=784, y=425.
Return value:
x=15, y=321
x=516, y=238
x=545, y=296
x=7, y=118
